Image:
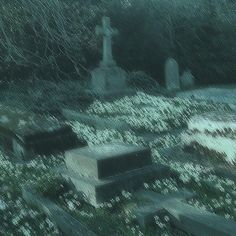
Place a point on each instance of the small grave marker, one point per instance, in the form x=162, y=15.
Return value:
x=187, y=79
x=172, y=78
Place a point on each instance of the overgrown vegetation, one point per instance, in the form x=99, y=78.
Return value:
x=54, y=39
x=153, y=114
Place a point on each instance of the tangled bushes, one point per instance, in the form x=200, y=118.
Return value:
x=46, y=38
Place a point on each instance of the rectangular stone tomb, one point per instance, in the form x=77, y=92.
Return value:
x=107, y=160
x=25, y=134
x=183, y=216
x=65, y=222
x=97, y=191
x=102, y=172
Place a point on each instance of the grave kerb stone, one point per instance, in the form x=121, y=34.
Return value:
x=182, y=215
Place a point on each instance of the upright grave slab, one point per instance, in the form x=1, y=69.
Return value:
x=102, y=172
x=183, y=216
x=172, y=78
x=108, y=78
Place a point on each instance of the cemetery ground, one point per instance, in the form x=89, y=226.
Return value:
x=147, y=120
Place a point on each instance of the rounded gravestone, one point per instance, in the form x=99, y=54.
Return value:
x=172, y=79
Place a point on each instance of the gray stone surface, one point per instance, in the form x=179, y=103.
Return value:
x=183, y=216
x=172, y=78
x=96, y=121
x=187, y=80
x=107, y=160
x=97, y=191
x=110, y=78
x=65, y=222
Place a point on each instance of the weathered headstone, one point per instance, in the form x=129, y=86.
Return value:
x=172, y=78
x=183, y=216
x=108, y=77
x=102, y=172
x=65, y=222
x=187, y=79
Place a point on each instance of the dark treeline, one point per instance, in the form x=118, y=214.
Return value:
x=55, y=39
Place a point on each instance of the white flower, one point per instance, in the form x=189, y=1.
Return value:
x=3, y=205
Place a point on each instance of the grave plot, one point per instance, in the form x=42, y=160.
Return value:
x=102, y=172
x=190, y=219
x=25, y=134
x=213, y=134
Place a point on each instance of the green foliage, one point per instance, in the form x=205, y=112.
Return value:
x=45, y=39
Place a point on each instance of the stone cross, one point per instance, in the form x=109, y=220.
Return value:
x=183, y=216
x=107, y=33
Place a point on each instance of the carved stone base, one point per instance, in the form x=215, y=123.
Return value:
x=105, y=79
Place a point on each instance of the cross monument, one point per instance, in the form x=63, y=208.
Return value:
x=107, y=31
x=108, y=79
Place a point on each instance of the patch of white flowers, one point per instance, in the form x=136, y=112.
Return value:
x=142, y=112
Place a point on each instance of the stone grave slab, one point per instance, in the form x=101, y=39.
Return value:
x=65, y=222
x=102, y=172
x=107, y=160
x=94, y=120
x=182, y=215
